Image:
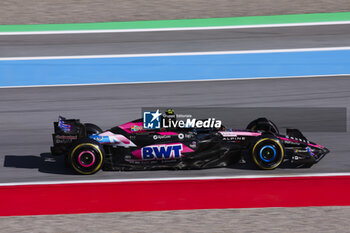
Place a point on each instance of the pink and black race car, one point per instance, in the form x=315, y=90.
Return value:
x=129, y=146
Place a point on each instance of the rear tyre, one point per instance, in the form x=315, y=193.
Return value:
x=86, y=157
x=267, y=153
x=92, y=129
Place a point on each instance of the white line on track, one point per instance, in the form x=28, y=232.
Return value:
x=176, y=179
x=176, y=29
x=177, y=81
x=176, y=54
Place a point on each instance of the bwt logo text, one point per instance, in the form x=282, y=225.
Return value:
x=162, y=151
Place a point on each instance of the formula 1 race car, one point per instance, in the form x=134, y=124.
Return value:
x=130, y=146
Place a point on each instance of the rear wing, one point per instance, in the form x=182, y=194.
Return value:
x=68, y=126
x=66, y=131
x=63, y=125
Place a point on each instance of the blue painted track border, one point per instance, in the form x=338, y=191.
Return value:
x=172, y=68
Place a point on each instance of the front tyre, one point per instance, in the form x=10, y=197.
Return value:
x=86, y=157
x=267, y=153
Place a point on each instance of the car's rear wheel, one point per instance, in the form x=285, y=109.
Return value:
x=86, y=157
x=92, y=129
x=267, y=153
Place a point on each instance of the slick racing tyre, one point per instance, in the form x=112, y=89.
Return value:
x=86, y=157
x=92, y=129
x=267, y=153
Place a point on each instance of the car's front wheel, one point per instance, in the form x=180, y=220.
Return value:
x=86, y=156
x=267, y=153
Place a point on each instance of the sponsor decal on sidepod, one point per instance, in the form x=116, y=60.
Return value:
x=162, y=151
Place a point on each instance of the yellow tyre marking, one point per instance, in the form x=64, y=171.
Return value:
x=86, y=144
x=256, y=161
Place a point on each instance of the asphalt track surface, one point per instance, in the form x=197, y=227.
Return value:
x=26, y=116
x=175, y=41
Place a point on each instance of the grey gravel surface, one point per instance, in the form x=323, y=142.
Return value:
x=311, y=219
x=78, y=11
x=26, y=116
x=174, y=41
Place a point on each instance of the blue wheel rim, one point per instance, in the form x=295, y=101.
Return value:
x=262, y=150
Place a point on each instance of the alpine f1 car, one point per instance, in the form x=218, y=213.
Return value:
x=129, y=146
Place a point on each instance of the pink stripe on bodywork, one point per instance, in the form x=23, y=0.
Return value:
x=239, y=133
x=293, y=140
x=107, y=133
x=118, y=137
x=127, y=127
x=167, y=133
